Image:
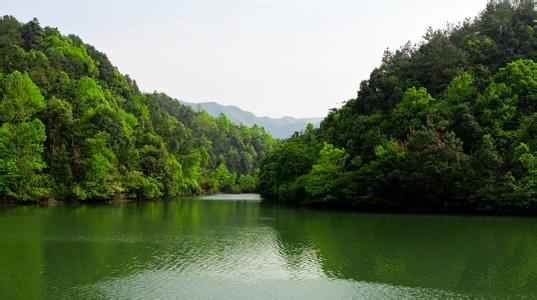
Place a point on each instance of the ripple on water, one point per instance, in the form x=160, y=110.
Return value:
x=248, y=264
x=161, y=284
x=219, y=249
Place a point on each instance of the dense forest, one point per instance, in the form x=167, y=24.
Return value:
x=72, y=127
x=446, y=124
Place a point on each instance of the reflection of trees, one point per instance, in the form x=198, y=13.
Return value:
x=65, y=247
x=479, y=255
x=21, y=263
x=50, y=251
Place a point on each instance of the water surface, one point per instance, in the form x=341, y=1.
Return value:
x=217, y=247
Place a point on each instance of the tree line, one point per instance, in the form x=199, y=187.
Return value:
x=449, y=123
x=72, y=127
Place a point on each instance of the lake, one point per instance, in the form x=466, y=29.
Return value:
x=235, y=246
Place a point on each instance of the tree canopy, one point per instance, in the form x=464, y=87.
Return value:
x=444, y=124
x=73, y=127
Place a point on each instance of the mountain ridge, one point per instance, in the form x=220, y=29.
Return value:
x=280, y=128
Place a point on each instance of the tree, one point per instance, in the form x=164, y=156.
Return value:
x=321, y=181
x=412, y=112
x=22, y=99
x=22, y=140
x=521, y=78
x=100, y=136
x=100, y=180
x=461, y=136
x=225, y=178
x=282, y=166
x=248, y=183
x=461, y=89
x=32, y=34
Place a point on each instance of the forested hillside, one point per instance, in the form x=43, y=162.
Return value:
x=449, y=123
x=280, y=128
x=73, y=127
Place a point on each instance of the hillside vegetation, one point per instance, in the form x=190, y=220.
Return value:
x=449, y=123
x=280, y=128
x=73, y=127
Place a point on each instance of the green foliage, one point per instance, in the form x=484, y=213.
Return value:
x=100, y=179
x=22, y=139
x=461, y=89
x=445, y=124
x=73, y=127
x=248, y=183
x=412, y=112
x=321, y=181
x=521, y=78
x=21, y=100
x=21, y=162
x=283, y=165
x=226, y=179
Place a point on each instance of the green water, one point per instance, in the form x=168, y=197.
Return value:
x=221, y=248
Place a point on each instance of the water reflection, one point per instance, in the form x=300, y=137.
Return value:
x=468, y=255
x=212, y=248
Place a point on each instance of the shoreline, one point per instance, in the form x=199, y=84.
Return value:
x=51, y=202
x=365, y=209
x=508, y=212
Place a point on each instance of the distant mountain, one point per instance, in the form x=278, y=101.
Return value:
x=279, y=128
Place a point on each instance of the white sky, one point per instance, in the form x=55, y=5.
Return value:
x=273, y=57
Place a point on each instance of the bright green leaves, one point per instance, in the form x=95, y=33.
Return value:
x=66, y=56
x=89, y=92
x=225, y=178
x=461, y=89
x=283, y=165
x=22, y=99
x=521, y=78
x=100, y=178
x=470, y=148
x=142, y=187
x=390, y=148
x=463, y=135
x=523, y=155
x=21, y=162
x=525, y=173
x=174, y=180
x=103, y=138
x=193, y=170
x=322, y=180
x=248, y=183
x=496, y=106
x=89, y=98
x=22, y=139
x=157, y=163
x=412, y=112
x=509, y=97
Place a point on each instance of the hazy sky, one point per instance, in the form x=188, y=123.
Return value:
x=272, y=57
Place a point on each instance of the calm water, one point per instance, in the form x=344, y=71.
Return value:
x=236, y=247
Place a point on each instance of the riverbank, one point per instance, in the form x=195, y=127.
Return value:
x=412, y=210
x=4, y=200
x=314, y=206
